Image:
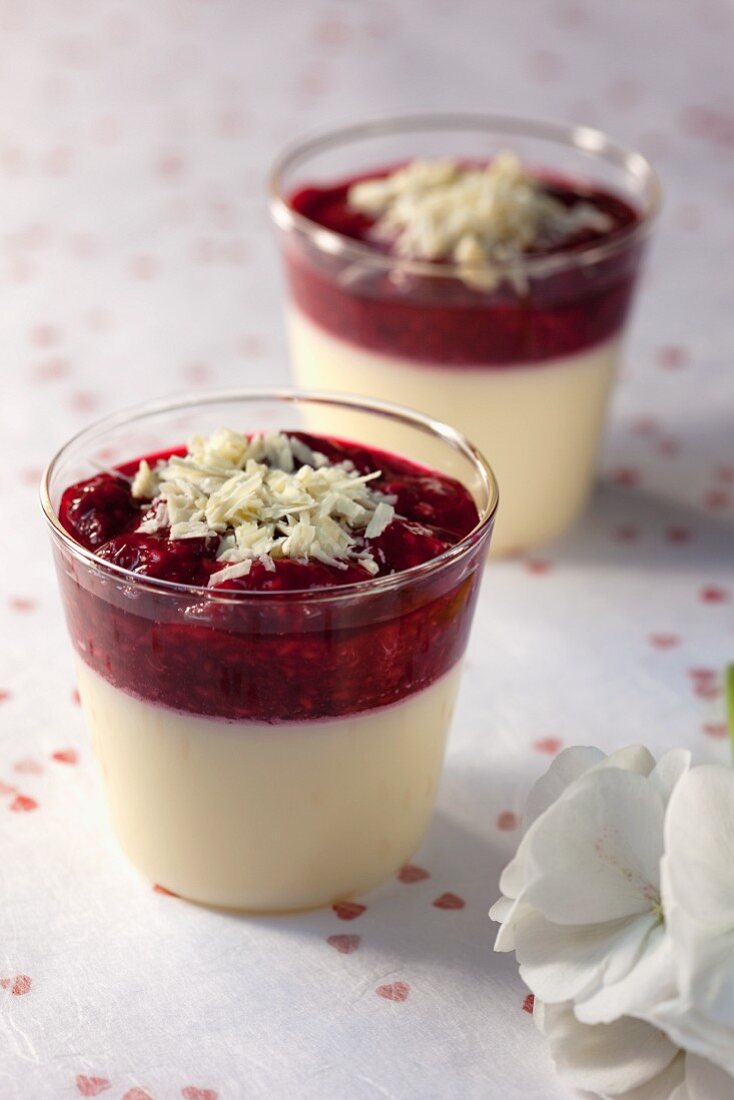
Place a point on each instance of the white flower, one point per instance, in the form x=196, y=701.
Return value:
x=693, y=999
x=627, y=1060
x=620, y=907
x=581, y=903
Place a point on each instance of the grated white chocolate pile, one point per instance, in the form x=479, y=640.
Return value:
x=248, y=492
x=475, y=217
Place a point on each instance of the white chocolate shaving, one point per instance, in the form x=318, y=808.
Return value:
x=247, y=492
x=481, y=219
x=144, y=482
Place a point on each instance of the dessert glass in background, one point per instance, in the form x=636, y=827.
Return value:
x=269, y=750
x=523, y=368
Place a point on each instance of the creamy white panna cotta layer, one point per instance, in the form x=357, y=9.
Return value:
x=252, y=816
x=538, y=425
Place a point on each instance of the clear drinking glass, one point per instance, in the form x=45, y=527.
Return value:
x=524, y=369
x=269, y=750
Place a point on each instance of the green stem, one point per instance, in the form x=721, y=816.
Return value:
x=729, y=681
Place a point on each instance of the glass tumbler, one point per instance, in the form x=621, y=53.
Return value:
x=524, y=369
x=269, y=750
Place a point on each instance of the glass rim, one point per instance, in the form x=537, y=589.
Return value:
x=585, y=139
x=356, y=589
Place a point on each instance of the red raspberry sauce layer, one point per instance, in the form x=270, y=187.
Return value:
x=279, y=659
x=442, y=321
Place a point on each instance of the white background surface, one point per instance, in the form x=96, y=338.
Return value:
x=136, y=260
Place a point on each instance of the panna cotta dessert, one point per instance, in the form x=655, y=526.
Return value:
x=479, y=270
x=268, y=626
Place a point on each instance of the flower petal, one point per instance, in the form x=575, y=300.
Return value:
x=699, y=843
x=505, y=940
x=695, y=1030
x=632, y=758
x=512, y=879
x=562, y=962
x=609, y=1059
x=501, y=909
x=697, y=1009
x=706, y=976
x=669, y=770
x=706, y=1081
x=596, y=857
x=650, y=981
x=567, y=767
x=659, y=1088
x=571, y=764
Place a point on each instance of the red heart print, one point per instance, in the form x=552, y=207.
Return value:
x=18, y=986
x=91, y=1086
x=5, y=788
x=705, y=674
x=507, y=821
x=137, y=1094
x=65, y=756
x=28, y=766
x=706, y=690
x=529, y=1003
x=668, y=447
x=191, y=1092
x=672, y=356
x=344, y=943
x=20, y=603
x=44, y=335
x=716, y=499
x=394, y=991
x=23, y=804
x=449, y=901
x=82, y=401
x=411, y=873
x=549, y=745
x=715, y=729
x=626, y=476
x=712, y=593
x=348, y=910
x=53, y=368
x=664, y=641
x=538, y=568
x=645, y=425
x=679, y=534
x=4, y=696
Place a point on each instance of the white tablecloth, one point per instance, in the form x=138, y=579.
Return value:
x=136, y=260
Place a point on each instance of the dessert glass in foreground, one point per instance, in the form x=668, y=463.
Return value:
x=518, y=351
x=267, y=745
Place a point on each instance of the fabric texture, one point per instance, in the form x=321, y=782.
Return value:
x=136, y=260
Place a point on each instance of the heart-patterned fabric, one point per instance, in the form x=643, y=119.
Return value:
x=136, y=259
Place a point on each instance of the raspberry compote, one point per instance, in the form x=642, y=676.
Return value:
x=210, y=665
x=268, y=631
